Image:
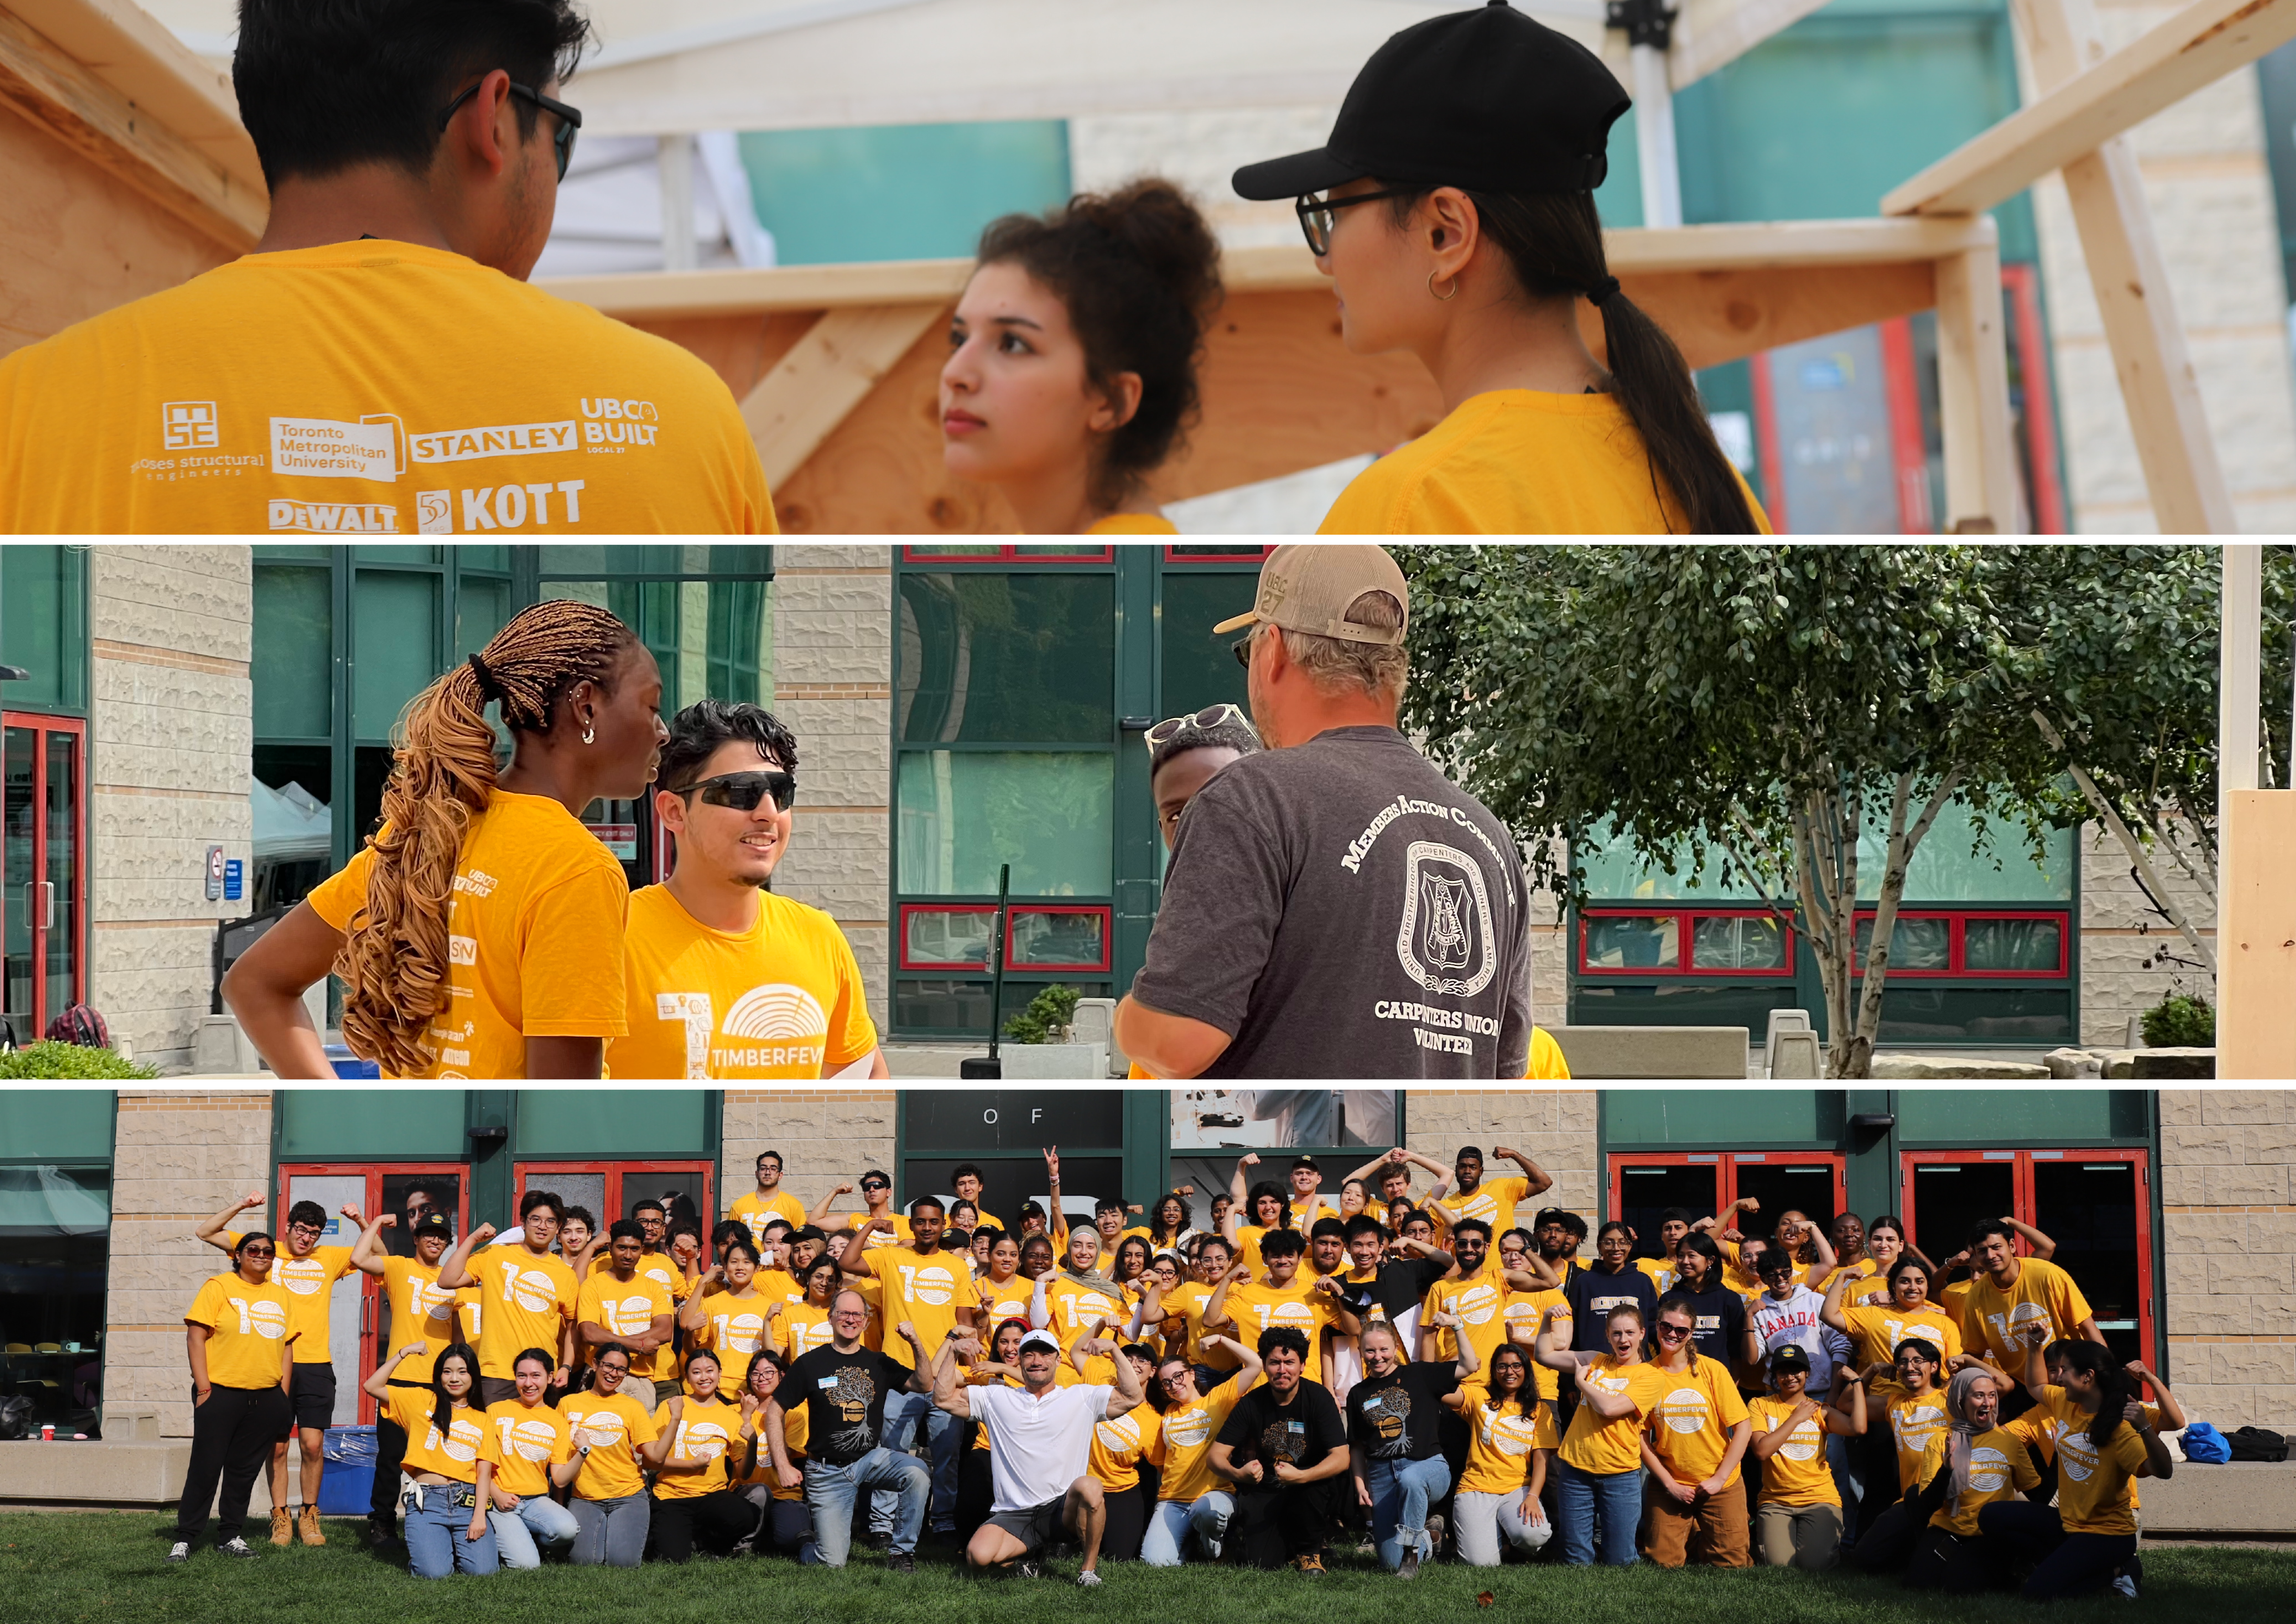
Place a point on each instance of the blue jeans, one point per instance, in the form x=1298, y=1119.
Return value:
x=434, y=1529
x=831, y=1490
x=611, y=1532
x=1616, y=1497
x=1173, y=1521
x=1401, y=1491
x=538, y=1524
x=904, y=1415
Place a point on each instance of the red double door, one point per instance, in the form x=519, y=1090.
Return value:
x=43, y=869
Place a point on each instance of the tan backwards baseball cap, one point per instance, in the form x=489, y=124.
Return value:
x=1309, y=586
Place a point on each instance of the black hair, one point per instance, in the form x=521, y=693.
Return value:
x=1147, y=1252
x=644, y=1201
x=598, y=1354
x=698, y=732
x=1700, y=1243
x=1107, y=1203
x=1138, y=270
x=1283, y=1336
x=876, y=1173
x=1922, y=1346
x=2114, y=1388
x=1363, y=1223
x=1519, y=1232
x=442, y=1407
x=254, y=1235
x=549, y=1361
x=727, y=1232
x=1156, y=1212
x=1472, y=1226
x=1220, y=1240
x=1468, y=1153
x=626, y=1229
x=1281, y=1243
x=1904, y=1263
x=693, y=1354
x=965, y=1167
x=323, y=84
x=532, y=1199
x=805, y=1280
x=934, y=1202
x=566, y=1216
x=1283, y=1198
x=727, y=1251
x=1553, y=242
x=307, y=1212
x=1323, y=1226
x=1620, y=1225
x=1774, y=1259
x=1229, y=732
x=1984, y=1228
x=1675, y=1215
x=781, y=1224
x=760, y=1160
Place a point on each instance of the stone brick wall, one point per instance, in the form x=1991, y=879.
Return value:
x=173, y=745
x=826, y=1136
x=178, y=1159
x=2128, y=955
x=1555, y=1127
x=2228, y=1252
x=2210, y=195
x=833, y=684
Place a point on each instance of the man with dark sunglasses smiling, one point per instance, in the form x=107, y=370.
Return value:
x=375, y=365
x=728, y=979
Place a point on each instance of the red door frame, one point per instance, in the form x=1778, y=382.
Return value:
x=77, y=728
x=1725, y=1165
x=615, y=1172
x=2022, y=1186
x=371, y=1285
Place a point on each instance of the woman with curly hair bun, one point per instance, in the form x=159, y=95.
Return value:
x=480, y=933
x=1072, y=372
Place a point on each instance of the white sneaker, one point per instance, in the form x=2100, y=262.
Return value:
x=181, y=1551
x=235, y=1547
x=1088, y=1578
x=2125, y=1585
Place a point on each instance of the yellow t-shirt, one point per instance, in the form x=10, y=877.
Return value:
x=783, y=1000
x=246, y=1325
x=1499, y=1441
x=1479, y=1300
x=925, y=1289
x=1516, y=462
x=1595, y=1445
x=1247, y=1247
x=1187, y=1300
x=1526, y=1317
x=1878, y=1331
x=1690, y=1428
x=801, y=1329
x=1305, y=1210
x=627, y=1307
x=613, y=1427
x=1132, y=524
x=1184, y=1446
x=1255, y=1306
x=710, y=1431
x=456, y=1456
x=901, y=1235
x=1662, y=1274
x=1073, y=1308
x=755, y=1211
x=2044, y=1296
x=1493, y=1201
x=658, y=1267
x=470, y=1319
x=533, y=937
x=1119, y=1447
x=524, y=1302
x=1798, y=1474
x=388, y=389
x=796, y=1426
x=735, y=1329
x=998, y=1303
x=1998, y=1466
x=411, y=1289
x=1913, y=1423
x=309, y=1283
x=2096, y=1491
x=1545, y=1062
x=524, y=1442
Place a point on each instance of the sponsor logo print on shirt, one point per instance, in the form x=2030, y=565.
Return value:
x=365, y=517
x=601, y=1429
x=189, y=425
x=500, y=439
x=533, y=1441
x=1189, y=1428
x=1989, y=1471
x=533, y=1290
x=268, y=1318
x=324, y=449
x=304, y=1276
x=462, y=949
x=1446, y=942
x=611, y=425
x=1511, y=1435
x=434, y=512
x=786, y=1024
x=505, y=507
x=1684, y=1410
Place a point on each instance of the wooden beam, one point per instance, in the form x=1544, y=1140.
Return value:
x=1982, y=494
x=825, y=375
x=2104, y=97
x=65, y=99
x=135, y=53
x=2255, y=939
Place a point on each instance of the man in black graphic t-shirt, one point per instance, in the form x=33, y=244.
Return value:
x=1284, y=1448
x=1335, y=906
x=844, y=1387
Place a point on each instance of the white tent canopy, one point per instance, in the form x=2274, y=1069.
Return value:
x=290, y=823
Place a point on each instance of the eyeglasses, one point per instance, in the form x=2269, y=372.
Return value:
x=1204, y=720
x=569, y=119
x=743, y=791
x=1318, y=216
x=1241, y=648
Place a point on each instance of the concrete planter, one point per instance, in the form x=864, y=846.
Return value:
x=1065, y=1063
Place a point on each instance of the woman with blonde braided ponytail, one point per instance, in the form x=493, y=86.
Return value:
x=480, y=933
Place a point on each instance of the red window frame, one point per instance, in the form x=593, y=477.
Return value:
x=616, y=1197
x=1957, y=920
x=1685, y=964
x=2026, y=1211
x=371, y=1285
x=1107, y=936
x=1174, y=553
x=1725, y=1165
x=1007, y=553
x=40, y=1014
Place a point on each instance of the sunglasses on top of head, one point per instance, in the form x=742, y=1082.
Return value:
x=1211, y=717
x=743, y=791
x=569, y=119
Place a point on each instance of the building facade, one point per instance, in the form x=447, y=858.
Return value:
x=2173, y=1210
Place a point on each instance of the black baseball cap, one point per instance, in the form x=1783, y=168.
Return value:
x=432, y=1223
x=1487, y=99
x=1788, y=1357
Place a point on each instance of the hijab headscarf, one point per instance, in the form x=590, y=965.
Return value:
x=1960, y=1431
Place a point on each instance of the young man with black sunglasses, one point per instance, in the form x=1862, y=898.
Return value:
x=728, y=979
x=377, y=365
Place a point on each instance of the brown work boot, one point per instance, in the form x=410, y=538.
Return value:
x=306, y=1526
x=280, y=1533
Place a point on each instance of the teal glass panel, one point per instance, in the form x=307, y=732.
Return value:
x=1199, y=670
x=2030, y=945
x=1636, y=942
x=586, y=559
x=947, y=936
x=483, y=555
x=1599, y=1001
x=607, y=1122
x=749, y=559
x=44, y=625
x=481, y=608
x=1634, y=1118
x=739, y=646
x=292, y=668
x=1915, y=944
x=367, y=1125
x=960, y=1005
x=395, y=647
x=1992, y=1117
x=1050, y=815
x=56, y=1123
x=1737, y=943
x=998, y=658
x=901, y=191
x=1916, y=1012
x=392, y=552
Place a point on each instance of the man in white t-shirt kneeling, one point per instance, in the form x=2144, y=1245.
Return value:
x=1039, y=1455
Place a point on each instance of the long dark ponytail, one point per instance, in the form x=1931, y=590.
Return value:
x=2114, y=1388
x=1553, y=242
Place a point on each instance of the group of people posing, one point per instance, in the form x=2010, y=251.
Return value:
x=1417, y=1370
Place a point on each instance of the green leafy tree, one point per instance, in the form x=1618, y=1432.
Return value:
x=1048, y=1014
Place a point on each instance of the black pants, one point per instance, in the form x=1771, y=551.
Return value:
x=1276, y=1521
x=389, y=1455
x=2065, y=1564
x=976, y=1492
x=1886, y=1539
x=231, y=1435
x=1127, y=1523
x=1959, y=1564
x=713, y=1522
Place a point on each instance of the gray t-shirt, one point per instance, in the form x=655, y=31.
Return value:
x=1342, y=910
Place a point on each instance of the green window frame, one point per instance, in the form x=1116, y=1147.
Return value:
x=43, y=627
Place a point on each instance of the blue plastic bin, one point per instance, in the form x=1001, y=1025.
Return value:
x=347, y=1488
x=350, y=1065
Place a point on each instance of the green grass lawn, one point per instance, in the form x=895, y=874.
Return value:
x=65, y=1567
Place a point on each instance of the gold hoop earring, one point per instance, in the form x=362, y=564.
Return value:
x=1445, y=298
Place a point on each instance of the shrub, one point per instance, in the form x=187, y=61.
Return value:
x=1048, y=1012
x=2180, y=1022
x=49, y=1059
